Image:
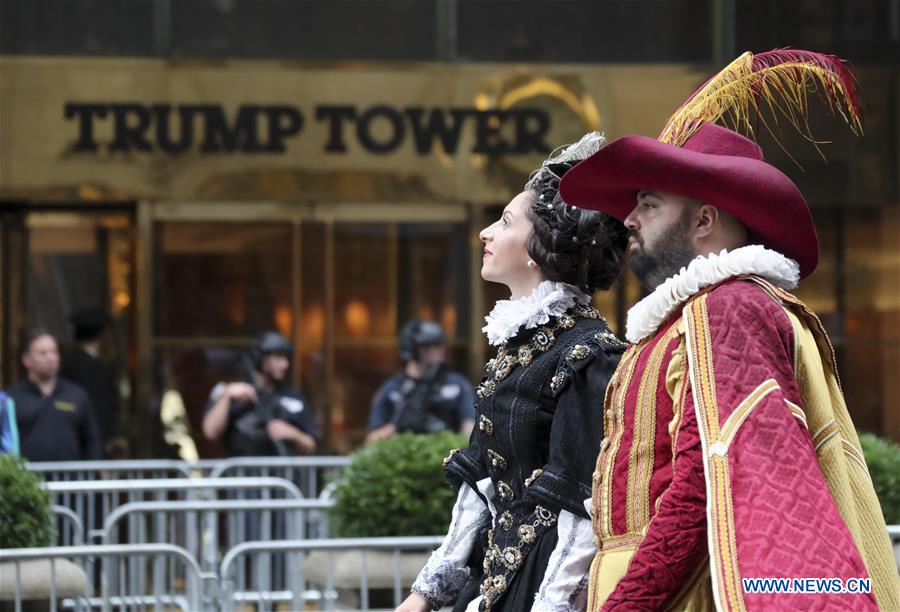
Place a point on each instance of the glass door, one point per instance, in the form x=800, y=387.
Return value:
x=59, y=262
x=338, y=286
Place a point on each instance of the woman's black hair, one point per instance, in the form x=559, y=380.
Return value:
x=571, y=245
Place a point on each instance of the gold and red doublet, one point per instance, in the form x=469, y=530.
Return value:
x=729, y=455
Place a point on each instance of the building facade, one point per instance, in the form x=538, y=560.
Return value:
x=203, y=200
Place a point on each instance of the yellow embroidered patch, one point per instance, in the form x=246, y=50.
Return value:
x=65, y=406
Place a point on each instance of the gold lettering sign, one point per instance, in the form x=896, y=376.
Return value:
x=79, y=129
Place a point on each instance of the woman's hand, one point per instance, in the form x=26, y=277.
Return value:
x=414, y=603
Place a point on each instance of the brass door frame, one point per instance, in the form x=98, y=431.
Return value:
x=12, y=294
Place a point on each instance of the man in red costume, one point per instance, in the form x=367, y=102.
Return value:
x=728, y=453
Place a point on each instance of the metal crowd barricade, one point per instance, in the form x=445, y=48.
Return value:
x=308, y=470
x=69, y=528
x=56, y=471
x=194, y=526
x=296, y=591
x=308, y=473
x=84, y=497
x=181, y=586
x=65, y=471
x=894, y=535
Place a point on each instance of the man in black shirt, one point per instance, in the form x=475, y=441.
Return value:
x=86, y=368
x=54, y=416
x=266, y=417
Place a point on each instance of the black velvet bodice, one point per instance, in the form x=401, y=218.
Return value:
x=539, y=423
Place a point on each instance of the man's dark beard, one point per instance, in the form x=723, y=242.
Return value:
x=671, y=252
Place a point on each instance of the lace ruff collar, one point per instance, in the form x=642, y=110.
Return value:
x=645, y=317
x=549, y=299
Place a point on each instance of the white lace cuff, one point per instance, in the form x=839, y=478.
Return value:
x=486, y=488
x=446, y=572
x=564, y=588
x=475, y=604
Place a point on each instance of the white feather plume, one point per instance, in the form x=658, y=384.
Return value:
x=589, y=144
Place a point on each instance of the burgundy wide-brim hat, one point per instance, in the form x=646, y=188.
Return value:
x=716, y=166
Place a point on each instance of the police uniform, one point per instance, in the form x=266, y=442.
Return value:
x=56, y=427
x=449, y=401
x=245, y=435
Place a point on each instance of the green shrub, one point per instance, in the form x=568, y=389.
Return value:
x=883, y=459
x=397, y=488
x=24, y=506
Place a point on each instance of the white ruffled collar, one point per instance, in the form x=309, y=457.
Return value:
x=549, y=299
x=645, y=317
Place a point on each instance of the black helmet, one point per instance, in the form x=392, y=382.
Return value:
x=269, y=342
x=416, y=334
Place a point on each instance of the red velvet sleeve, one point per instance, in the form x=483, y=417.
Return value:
x=675, y=543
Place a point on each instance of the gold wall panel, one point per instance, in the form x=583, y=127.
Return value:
x=39, y=160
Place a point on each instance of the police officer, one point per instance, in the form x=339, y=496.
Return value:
x=55, y=418
x=264, y=417
x=426, y=397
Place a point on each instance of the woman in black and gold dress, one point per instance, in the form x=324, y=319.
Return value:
x=520, y=537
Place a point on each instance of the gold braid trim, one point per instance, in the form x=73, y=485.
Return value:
x=723, y=548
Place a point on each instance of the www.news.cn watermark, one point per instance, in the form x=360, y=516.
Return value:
x=807, y=585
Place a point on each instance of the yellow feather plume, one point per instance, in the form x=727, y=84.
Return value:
x=782, y=80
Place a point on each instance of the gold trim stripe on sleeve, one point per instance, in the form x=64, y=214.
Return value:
x=723, y=548
x=855, y=454
x=740, y=414
x=797, y=411
x=825, y=433
x=641, y=453
x=614, y=429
